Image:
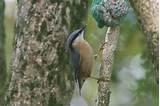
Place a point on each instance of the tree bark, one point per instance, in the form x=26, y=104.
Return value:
x=109, y=48
x=148, y=13
x=40, y=72
x=3, y=72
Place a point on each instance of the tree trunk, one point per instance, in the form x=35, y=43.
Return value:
x=147, y=12
x=3, y=72
x=108, y=51
x=40, y=72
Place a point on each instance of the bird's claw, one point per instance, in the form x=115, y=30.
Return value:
x=103, y=80
x=102, y=46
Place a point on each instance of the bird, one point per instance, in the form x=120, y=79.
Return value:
x=81, y=56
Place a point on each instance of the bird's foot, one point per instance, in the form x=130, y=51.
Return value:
x=102, y=46
x=103, y=80
x=100, y=50
x=99, y=79
x=95, y=56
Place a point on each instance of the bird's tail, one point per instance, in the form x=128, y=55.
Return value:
x=79, y=81
x=79, y=85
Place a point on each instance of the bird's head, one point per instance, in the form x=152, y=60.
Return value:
x=75, y=37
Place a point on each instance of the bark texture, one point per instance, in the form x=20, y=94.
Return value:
x=109, y=48
x=148, y=13
x=40, y=72
x=3, y=71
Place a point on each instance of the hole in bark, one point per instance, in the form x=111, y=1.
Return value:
x=33, y=1
x=43, y=31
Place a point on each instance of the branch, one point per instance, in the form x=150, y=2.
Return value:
x=109, y=48
x=108, y=13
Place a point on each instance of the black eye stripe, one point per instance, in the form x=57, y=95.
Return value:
x=76, y=35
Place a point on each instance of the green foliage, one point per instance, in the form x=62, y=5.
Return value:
x=9, y=24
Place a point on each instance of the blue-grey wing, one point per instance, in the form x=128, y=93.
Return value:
x=75, y=59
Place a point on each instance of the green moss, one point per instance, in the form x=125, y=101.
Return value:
x=109, y=12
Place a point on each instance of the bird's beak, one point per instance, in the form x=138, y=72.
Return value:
x=82, y=30
x=83, y=27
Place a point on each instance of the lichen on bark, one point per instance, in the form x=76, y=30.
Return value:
x=108, y=52
x=40, y=74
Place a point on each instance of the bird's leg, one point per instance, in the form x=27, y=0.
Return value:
x=102, y=46
x=95, y=56
x=99, y=79
x=99, y=51
x=94, y=78
x=103, y=79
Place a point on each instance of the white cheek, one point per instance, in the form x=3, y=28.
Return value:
x=78, y=39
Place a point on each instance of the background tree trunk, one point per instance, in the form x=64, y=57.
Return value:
x=148, y=15
x=40, y=72
x=3, y=72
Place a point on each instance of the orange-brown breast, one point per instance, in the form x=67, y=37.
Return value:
x=86, y=59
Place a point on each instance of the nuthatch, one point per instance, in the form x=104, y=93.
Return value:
x=81, y=55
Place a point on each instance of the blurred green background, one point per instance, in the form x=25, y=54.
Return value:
x=133, y=82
